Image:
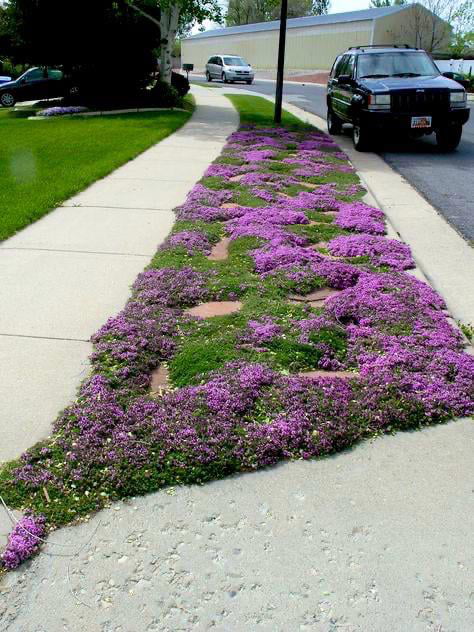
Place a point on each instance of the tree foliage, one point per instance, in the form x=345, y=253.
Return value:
x=378, y=4
x=253, y=11
x=96, y=38
x=434, y=35
x=172, y=17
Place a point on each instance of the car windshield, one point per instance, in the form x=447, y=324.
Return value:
x=32, y=74
x=395, y=65
x=234, y=61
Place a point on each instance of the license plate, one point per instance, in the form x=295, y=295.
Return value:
x=420, y=121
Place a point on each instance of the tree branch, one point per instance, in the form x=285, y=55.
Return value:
x=143, y=13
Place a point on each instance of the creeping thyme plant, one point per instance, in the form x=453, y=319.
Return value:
x=279, y=378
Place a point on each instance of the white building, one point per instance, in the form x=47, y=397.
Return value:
x=312, y=43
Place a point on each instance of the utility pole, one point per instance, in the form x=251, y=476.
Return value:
x=281, y=61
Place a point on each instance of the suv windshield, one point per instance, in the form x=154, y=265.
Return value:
x=234, y=61
x=395, y=65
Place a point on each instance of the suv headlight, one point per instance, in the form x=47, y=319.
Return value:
x=457, y=99
x=379, y=101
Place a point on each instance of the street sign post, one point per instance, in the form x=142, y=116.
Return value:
x=281, y=61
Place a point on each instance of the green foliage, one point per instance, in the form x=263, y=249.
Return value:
x=467, y=330
x=318, y=232
x=180, y=83
x=377, y=4
x=207, y=345
x=91, y=46
x=259, y=111
x=164, y=95
x=251, y=11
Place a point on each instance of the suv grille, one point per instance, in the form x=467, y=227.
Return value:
x=423, y=102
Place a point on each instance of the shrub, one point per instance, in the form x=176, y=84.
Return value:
x=180, y=83
x=162, y=95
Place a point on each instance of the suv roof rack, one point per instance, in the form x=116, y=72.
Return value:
x=383, y=46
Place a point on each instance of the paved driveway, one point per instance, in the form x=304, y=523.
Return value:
x=445, y=180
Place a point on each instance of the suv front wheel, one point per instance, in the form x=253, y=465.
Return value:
x=334, y=123
x=362, y=137
x=448, y=138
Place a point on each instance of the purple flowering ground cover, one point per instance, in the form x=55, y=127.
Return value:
x=289, y=204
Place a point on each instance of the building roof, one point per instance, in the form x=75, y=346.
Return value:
x=312, y=20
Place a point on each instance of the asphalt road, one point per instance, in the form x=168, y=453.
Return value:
x=445, y=180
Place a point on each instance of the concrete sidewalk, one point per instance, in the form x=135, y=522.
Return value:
x=62, y=277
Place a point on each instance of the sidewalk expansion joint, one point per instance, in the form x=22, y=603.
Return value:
x=118, y=208
x=188, y=181
x=80, y=252
x=43, y=337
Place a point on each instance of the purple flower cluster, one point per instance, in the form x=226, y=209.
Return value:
x=130, y=345
x=192, y=241
x=360, y=217
x=380, y=250
x=61, y=111
x=257, y=155
x=167, y=287
x=23, y=541
x=222, y=171
x=259, y=332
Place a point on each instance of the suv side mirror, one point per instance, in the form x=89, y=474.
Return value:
x=344, y=79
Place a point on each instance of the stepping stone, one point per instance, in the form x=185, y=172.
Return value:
x=229, y=205
x=320, y=244
x=220, y=251
x=309, y=185
x=329, y=374
x=237, y=178
x=285, y=195
x=160, y=380
x=215, y=308
x=317, y=295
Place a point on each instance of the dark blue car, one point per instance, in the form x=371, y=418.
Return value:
x=34, y=85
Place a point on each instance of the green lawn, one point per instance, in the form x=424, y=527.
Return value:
x=259, y=111
x=43, y=163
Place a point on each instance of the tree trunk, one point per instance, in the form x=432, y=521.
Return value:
x=169, y=26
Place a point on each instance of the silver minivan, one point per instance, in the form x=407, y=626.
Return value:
x=229, y=68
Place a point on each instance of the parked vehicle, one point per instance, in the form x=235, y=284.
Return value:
x=36, y=84
x=229, y=68
x=456, y=76
x=4, y=79
x=392, y=89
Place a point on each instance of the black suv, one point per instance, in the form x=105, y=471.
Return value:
x=392, y=89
